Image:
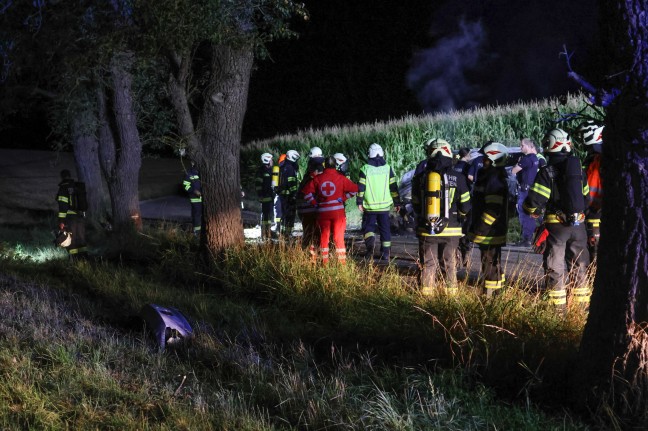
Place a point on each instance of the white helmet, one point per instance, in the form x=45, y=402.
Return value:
x=266, y=158
x=557, y=141
x=315, y=152
x=339, y=158
x=591, y=133
x=292, y=155
x=63, y=239
x=438, y=146
x=496, y=153
x=375, y=150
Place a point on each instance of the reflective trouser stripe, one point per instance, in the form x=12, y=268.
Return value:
x=558, y=297
x=581, y=294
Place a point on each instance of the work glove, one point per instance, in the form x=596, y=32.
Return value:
x=540, y=239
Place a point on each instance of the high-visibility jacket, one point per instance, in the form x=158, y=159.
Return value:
x=377, y=187
x=328, y=191
x=489, y=221
x=560, y=187
x=192, y=185
x=458, y=196
x=263, y=184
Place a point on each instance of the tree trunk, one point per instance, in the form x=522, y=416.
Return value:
x=180, y=66
x=86, y=156
x=219, y=151
x=120, y=146
x=614, y=350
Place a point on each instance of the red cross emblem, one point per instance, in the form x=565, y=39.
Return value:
x=328, y=188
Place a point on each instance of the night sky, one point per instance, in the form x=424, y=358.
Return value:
x=366, y=60
x=363, y=60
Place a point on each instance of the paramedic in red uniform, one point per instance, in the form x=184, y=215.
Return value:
x=328, y=192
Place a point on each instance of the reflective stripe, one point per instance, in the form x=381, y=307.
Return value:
x=541, y=190
x=449, y=231
x=331, y=208
x=494, y=199
x=368, y=235
x=595, y=222
x=488, y=219
x=487, y=240
x=581, y=294
x=465, y=197
x=492, y=284
x=558, y=297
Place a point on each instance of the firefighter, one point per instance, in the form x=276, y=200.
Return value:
x=193, y=188
x=377, y=193
x=592, y=137
x=489, y=220
x=307, y=213
x=441, y=199
x=328, y=192
x=462, y=167
x=342, y=164
x=288, y=184
x=561, y=192
x=265, y=193
x=276, y=172
x=71, y=201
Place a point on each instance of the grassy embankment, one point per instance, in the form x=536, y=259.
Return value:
x=279, y=344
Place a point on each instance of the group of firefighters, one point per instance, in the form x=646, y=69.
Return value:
x=455, y=203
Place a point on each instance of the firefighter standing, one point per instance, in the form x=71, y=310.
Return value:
x=561, y=190
x=441, y=200
x=308, y=213
x=592, y=136
x=71, y=218
x=342, y=164
x=462, y=167
x=377, y=193
x=288, y=184
x=489, y=221
x=193, y=187
x=276, y=172
x=328, y=192
x=265, y=193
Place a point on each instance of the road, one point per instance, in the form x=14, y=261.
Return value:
x=519, y=263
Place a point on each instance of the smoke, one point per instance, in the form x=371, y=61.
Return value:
x=486, y=52
x=439, y=75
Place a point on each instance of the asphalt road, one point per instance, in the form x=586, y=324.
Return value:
x=519, y=263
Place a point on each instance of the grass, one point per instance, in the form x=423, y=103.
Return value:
x=278, y=346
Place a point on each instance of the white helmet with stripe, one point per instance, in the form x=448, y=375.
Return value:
x=557, y=141
x=497, y=153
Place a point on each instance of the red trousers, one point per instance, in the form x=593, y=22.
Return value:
x=337, y=225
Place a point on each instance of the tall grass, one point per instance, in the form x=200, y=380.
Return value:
x=279, y=345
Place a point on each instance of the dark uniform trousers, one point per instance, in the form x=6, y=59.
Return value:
x=491, y=260
x=566, y=256
x=437, y=256
x=76, y=225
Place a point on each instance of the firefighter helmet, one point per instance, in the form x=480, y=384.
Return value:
x=292, y=155
x=557, y=141
x=315, y=152
x=591, y=133
x=438, y=146
x=495, y=152
x=63, y=239
x=266, y=158
x=339, y=159
x=375, y=150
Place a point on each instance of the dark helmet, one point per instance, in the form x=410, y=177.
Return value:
x=330, y=162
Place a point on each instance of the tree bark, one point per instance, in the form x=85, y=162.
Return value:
x=86, y=156
x=180, y=65
x=120, y=145
x=613, y=370
x=219, y=132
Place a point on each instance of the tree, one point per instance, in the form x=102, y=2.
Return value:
x=613, y=368
x=228, y=35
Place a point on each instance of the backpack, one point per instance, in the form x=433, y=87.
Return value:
x=78, y=197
